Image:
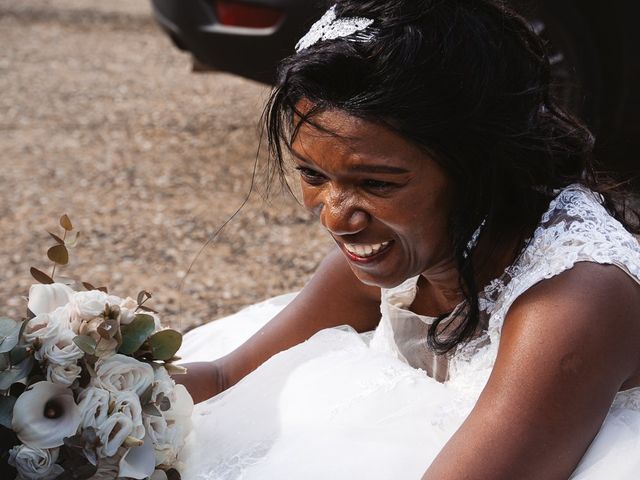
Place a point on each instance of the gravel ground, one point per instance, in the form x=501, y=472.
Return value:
x=103, y=119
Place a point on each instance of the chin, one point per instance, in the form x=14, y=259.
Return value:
x=380, y=282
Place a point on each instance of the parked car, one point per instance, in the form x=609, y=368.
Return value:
x=593, y=44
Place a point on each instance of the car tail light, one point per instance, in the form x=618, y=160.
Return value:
x=238, y=14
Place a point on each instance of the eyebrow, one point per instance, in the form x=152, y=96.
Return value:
x=364, y=168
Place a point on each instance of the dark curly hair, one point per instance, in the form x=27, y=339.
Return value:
x=469, y=81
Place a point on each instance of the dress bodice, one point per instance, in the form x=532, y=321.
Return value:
x=575, y=228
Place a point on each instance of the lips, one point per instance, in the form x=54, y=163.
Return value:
x=366, y=253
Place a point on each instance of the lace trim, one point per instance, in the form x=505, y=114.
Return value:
x=575, y=228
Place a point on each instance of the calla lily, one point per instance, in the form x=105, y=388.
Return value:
x=44, y=415
x=46, y=298
x=138, y=462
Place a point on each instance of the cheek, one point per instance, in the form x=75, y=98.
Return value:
x=311, y=198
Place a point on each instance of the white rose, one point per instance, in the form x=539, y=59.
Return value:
x=121, y=373
x=47, y=326
x=167, y=439
x=94, y=406
x=168, y=432
x=47, y=298
x=63, y=374
x=60, y=349
x=87, y=305
x=112, y=433
x=35, y=463
x=181, y=401
x=127, y=310
x=128, y=403
x=181, y=407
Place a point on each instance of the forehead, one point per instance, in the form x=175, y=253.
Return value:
x=336, y=135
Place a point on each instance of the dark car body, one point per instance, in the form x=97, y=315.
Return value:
x=593, y=48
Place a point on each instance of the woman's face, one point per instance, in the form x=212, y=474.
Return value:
x=384, y=200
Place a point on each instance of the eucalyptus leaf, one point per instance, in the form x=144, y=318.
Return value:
x=56, y=238
x=151, y=409
x=58, y=254
x=135, y=333
x=165, y=344
x=86, y=344
x=18, y=354
x=65, y=222
x=146, y=395
x=6, y=410
x=40, y=276
x=108, y=329
x=5, y=361
x=9, y=334
x=15, y=373
x=165, y=404
x=23, y=325
x=143, y=296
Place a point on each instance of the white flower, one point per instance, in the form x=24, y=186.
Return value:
x=44, y=415
x=47, y=326
x=61, y=355
x=47, y=298
x=128, y=403
x=112, y=433
x=63, y=374
x=127, y=310
x=91, y=304
x=120, y=373
x=35, y=463
x=167, y=437
x=138, y=462
x=114, y=415
x=169, y=431
x=94, y=407
x=181, y=407
x=159, y=475
x=162, y=383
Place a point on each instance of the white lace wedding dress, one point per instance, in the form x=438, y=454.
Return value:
x=344, y=406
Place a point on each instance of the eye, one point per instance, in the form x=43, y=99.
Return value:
x=310, y=176
x=377, y=185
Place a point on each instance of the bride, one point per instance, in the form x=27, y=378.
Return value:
x=480, y=315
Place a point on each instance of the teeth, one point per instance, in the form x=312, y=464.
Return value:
x=365, y=250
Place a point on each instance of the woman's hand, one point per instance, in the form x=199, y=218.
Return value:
x=203, y=380
x=333, y=297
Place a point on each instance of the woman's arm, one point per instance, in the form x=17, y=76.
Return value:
x=567, y=346
x=333, y=297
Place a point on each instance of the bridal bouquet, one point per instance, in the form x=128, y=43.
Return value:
x=85, y=390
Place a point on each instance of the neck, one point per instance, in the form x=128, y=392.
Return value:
x=439, y=289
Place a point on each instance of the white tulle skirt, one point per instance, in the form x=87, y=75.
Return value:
x=333, y=408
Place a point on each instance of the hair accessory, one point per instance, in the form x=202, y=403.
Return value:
x=474, y=239
x=329, y=28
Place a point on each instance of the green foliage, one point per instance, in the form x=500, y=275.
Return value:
x=9, y=334
x=135, y=334
x=86, y=344
x=165, y=343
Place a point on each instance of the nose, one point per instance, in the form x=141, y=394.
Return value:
x=341, y=215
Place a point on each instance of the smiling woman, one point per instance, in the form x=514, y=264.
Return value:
x=382, y=198
x=494, y=267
